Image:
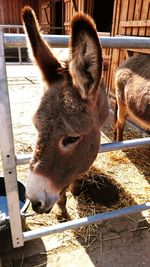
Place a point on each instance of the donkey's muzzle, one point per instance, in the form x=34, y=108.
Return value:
x=41, y=192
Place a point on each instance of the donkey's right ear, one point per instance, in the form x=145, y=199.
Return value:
x=85, y=56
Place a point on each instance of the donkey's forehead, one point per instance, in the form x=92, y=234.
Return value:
x=63, y=108
x=62, y=99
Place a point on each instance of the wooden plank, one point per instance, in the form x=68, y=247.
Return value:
x=147, y=51
x=115, y=26
x=144, y=16
x=66, y=15
x=105, y=70
x=81, y=5
x=86, y=7
x=75, y=5
x=148, y=17
x=89, y=7
x=135, y=23
x=137, y=15
x=115, y=63
x=63, y=17
x=115, y=18
x=123, y=16
x=130, y=15
x=103, y=34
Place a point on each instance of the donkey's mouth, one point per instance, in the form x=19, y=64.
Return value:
x=38, y=209
x=48, y=211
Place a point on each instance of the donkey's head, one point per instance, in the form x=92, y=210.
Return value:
x=71, y=112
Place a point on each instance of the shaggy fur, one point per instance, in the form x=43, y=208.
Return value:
x=132, y=84
x=71, y=113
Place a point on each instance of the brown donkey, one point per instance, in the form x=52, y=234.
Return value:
x=70, y=115
x=132, y=85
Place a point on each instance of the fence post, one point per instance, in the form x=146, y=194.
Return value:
x=8, y=154
x=19, y=51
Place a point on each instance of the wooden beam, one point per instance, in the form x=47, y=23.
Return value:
x=135, y=23
x=75, y=5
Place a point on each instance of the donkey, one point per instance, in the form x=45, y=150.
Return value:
x=132, y=85
x=70, y=115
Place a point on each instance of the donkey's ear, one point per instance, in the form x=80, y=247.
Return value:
x=38, y=48
x=85, y=56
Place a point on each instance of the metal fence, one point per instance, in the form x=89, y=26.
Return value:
x=61, y=41
x=18, y=29
x=7, y=144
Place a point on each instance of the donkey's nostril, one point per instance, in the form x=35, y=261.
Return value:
x=38, y=206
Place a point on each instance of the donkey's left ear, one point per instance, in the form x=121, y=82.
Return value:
x=85, y=56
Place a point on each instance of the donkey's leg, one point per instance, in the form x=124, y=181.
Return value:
x=76, y=187
x=115, y=132
x=121, y=121
x=62, y=214
x=115, y=120
x=120, y=129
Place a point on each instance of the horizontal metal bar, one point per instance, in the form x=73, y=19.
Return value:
x=24, y=159
x=125, y=42
x=60, y=227
x=18, y=40
x=124, y=144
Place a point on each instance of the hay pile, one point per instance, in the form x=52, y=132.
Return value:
x=107, y=195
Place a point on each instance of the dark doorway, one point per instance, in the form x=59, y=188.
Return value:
x=58, y=17
x=103, y=13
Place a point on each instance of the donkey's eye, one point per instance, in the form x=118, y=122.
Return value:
x=68, y=140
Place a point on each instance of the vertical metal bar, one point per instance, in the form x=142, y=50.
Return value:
x=8, y=153
x=19, y=51
x=19, y=54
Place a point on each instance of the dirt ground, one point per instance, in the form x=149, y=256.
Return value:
x=118, y=179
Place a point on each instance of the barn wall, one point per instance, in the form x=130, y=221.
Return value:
x=10, y=11
x=86, y=6
x=130, y=18
x=51, y=16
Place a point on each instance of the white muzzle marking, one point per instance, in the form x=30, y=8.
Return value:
x=40, y=188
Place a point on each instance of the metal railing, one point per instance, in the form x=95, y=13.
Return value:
x=16, y=28
x=61, y=41
x=7, y=145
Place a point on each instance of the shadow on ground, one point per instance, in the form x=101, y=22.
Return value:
x=118, y=242
x=31, y=254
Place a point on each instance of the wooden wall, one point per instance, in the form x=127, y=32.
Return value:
x=10, y=13
x=51, y=16
x=71, y=7
x=130, y=18
x=49, y=13
x=10, y=10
